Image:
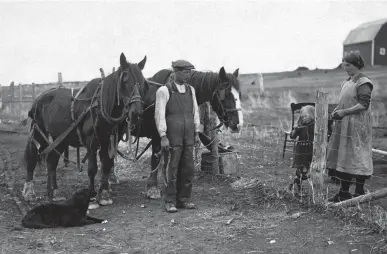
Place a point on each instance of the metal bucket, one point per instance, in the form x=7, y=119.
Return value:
x=208, y=163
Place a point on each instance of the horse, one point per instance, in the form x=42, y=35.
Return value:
x=221, y=89
x=104, y=104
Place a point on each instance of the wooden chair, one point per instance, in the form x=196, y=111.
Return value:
x=295, y=108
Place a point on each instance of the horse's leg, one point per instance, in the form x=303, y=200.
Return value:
x=152, y=191
x=56, y=195
x=92, y=172
x=113, y=177
x=52, y=163
x=29, y=162
x=66, y=157
x=104, y=197
x=80, y=168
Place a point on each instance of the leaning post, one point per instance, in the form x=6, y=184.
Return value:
x=33, y=92
x=21, y=101
x=318, y=164
x=60, y=80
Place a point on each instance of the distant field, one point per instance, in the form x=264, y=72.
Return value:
x=301, y=86
x=305, y=83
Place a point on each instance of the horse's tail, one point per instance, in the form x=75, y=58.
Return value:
x=31, y=153
x=36, y=142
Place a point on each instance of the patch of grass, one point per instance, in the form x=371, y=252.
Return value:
x=260, y=145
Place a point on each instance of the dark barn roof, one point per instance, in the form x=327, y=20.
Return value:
x=365, y=32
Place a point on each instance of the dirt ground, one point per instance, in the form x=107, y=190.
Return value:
x=261, y=219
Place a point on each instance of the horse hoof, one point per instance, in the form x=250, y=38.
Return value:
x=93, y=205
x=153, y=193
x=57, y=197
x=28, y=191
x=106, y=202
x=105, y=198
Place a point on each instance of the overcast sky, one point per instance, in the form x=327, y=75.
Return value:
x=40, y=39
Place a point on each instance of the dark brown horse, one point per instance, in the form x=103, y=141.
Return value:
x=108, y=102
x=221, y=89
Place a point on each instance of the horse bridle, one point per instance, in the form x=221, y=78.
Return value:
x=220, y=96
x=132, y=98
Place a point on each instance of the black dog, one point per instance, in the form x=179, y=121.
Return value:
x=70, y=213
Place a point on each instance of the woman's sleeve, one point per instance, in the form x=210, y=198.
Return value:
x=364, y=94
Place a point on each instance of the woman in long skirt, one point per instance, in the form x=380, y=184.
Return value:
x=350, y=146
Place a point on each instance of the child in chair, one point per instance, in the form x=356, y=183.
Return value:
x=303, y=132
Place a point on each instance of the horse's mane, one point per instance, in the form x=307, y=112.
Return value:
x=212, y=79
x=234, y=82
x=204, y=82
x=161, y=76
x=109, y=90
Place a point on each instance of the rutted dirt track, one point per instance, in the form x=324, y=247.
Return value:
x=226, y=221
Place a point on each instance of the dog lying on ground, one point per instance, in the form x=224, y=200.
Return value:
x=70, y=213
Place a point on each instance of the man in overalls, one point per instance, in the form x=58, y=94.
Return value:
x=178, y=123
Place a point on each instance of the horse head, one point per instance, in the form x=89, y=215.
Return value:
x=227, y=100
x=131, y=89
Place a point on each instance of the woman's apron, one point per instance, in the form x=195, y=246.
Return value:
x=350, y=146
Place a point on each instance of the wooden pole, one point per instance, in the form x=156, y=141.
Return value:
x=33, y=91
x=11, y=91
x=214, y=136
x=215, y=153
x=114, y=69
x=361, y=199
x=319, y=147
x=60, y=80
x=102, y=73
x=21, y=101
x=379, y=151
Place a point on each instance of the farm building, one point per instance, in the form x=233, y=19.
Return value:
x=370, y=40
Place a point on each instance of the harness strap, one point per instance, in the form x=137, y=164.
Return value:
x=36, y=126
x=72, y=126
x=73, y=116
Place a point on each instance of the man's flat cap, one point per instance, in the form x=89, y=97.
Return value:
x=182, y=64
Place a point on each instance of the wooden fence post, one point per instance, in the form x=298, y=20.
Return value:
x=317, y=167
x=33, y=91
x=60, y=80
x=215, y=152
x=114, y=69
x=21, y=101
x=4, y=96
x=11, y=91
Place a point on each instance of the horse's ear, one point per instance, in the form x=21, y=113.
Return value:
x=123, y=61
x=223, y=74
x=142, y=63
x=236, y=73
